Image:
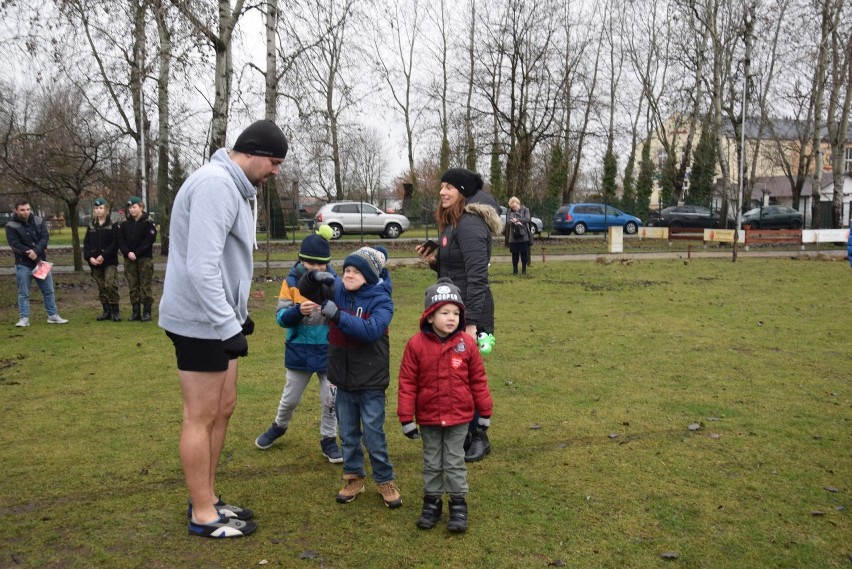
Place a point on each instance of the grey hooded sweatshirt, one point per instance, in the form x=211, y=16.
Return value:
x=210, y=266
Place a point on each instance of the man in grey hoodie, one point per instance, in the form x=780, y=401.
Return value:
x=204, y=309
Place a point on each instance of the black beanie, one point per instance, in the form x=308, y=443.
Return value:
x=465, y=181
x=315, y=249
x=262, y=138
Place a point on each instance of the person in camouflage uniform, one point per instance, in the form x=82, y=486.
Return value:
x=136, y=237
x=100, y=249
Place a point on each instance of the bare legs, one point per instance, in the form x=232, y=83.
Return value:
x=209, y=400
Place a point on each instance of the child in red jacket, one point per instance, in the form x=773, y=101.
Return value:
x=441, y=382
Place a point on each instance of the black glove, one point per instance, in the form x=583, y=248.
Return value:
x=484, y=423
x=330, y=311
x=236, y=345
x=409, y=429
x=248, y=326
x=322, y=277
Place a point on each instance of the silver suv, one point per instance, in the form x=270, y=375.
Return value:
x=361, y=217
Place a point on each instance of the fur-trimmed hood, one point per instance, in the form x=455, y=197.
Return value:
x=487, y=213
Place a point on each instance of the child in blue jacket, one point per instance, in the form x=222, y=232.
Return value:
x=359, y=309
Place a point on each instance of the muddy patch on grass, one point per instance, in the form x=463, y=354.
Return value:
x=7, y=364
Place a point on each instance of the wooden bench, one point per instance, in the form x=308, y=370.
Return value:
x=773, y=236
x=693, y=233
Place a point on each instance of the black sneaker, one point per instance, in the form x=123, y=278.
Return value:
x=223, y=527
x=226, y=510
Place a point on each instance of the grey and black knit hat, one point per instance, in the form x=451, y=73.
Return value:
x=442, y=292
x=368, y=261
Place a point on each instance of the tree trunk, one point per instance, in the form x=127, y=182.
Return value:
x=74, y=224
x=820, y=76
x=276, y=226
x=165, y=193
x=137, y=78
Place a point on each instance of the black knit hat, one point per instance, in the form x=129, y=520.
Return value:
x=262, y=138
x=315, y=249
x=368, y=261
x=465, y=181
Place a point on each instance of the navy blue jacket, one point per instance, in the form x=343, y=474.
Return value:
x=25, y=235
x=358, y=343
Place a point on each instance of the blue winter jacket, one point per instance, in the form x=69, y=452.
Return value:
x=358, y=343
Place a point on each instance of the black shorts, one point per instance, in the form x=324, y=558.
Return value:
x=197, y=354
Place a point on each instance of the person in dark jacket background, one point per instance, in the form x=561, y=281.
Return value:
x=28, y=236
x=100, y=249
x=467, y=221
x=136, y=237
x=359, y=309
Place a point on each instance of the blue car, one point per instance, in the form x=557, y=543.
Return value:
x=583, y=217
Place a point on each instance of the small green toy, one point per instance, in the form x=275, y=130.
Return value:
x=486, y=343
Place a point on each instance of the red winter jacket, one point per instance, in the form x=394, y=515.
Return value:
x=442, y=383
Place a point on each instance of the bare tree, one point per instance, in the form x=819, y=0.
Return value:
x=523, y=34
x=395, y=63
x=324, y=87
x=219, y=32
x=577, y=91
x=839, y=104
x=58, y=150
x=828, y=12
x=165, y=193
x=369, y=165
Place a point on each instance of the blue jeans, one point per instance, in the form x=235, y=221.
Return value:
x=24, y=276
x=361, y=414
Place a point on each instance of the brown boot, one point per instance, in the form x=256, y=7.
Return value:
x=354, y=486
x=390, y=494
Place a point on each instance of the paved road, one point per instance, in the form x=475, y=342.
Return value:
x=839, y=254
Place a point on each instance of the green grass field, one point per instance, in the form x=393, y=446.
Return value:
x=599, y=372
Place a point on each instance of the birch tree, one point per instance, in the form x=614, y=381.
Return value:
x=219, y=32
x=839, y=104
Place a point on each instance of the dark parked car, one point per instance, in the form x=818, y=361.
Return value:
x=583, y=217
x=687, y=216
x=773, y=217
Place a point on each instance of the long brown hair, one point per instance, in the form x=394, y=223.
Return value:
x=450, y=215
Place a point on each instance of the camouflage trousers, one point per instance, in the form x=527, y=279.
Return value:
x=107, y=279
x=139, y=274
